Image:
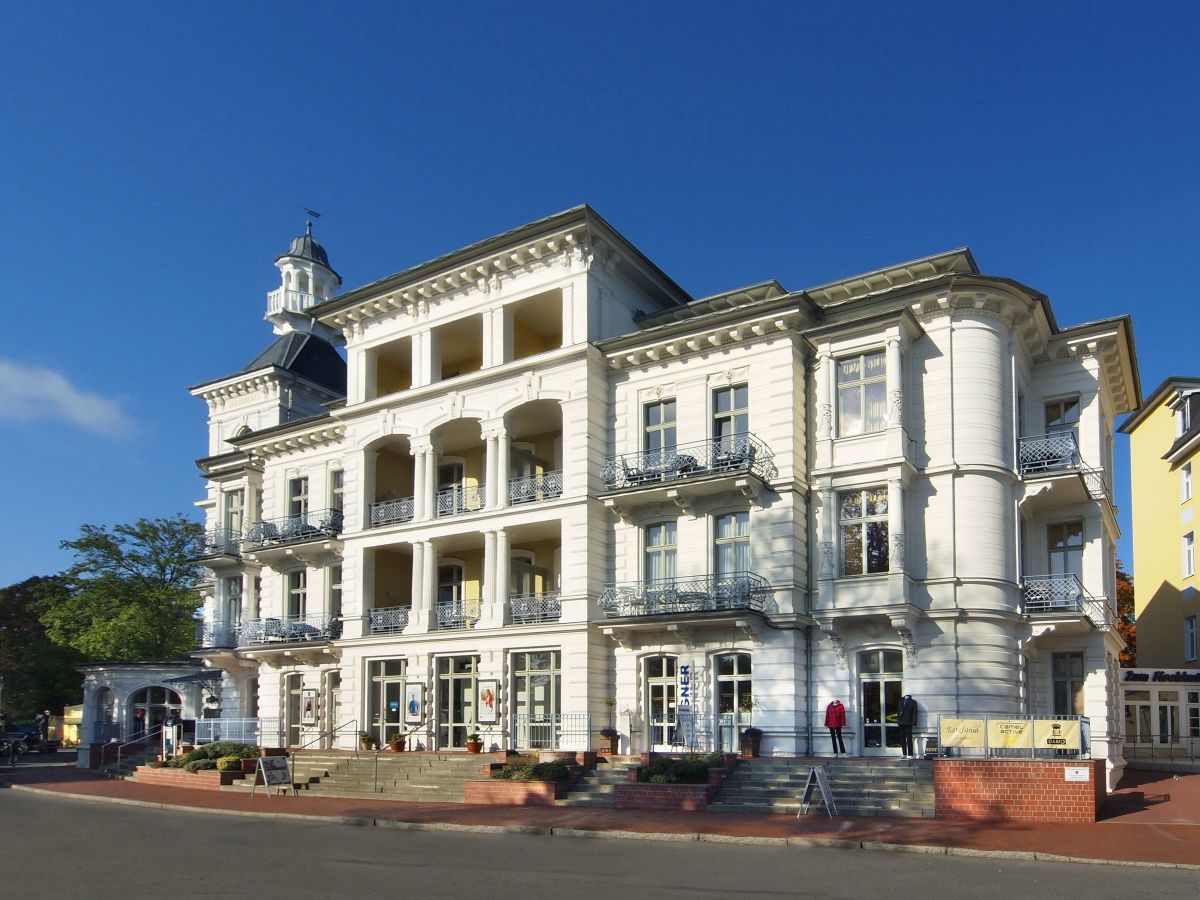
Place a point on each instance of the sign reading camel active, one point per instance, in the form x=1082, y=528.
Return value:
x=1010, y=733
x=962, y=733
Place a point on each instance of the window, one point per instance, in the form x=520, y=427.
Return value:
x=731, y=534
x=659, y=429
x=1193, y=713
x=335, y=591
x=233, y=600
x=297, y=593
x=1065, y=548
x=1189, y=554
x=1190, y=650
x=298, y=497
x=735, y=696
x=1185, y=483
x=659, y=552
x=1067, y=671
x=235, y=511
x=337, y=489
x=862, y=394
x=1183, y=418
x=731, y=415
x=450, y=585
x=1063, y=415
x=864, y=531
x=537, y=697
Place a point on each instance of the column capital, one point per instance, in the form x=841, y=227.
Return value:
x=421, y=443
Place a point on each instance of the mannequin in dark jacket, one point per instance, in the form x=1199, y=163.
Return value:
x=835, y=721
x=907, y=720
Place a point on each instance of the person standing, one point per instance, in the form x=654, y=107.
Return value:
x=907, y=720
x=835, y=721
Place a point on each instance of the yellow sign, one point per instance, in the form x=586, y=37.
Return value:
x=1015, y=733
x=1056, y=734
x=962, y=733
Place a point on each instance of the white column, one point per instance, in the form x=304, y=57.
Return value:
x=501, y=570
x=419, y=500
x=895, y=384
x=489, y=569
x=418, y=611
x=488, y=354
x=825, y=397
x=895, y=525
x=501, y=475
x=491, y=480
x=827, y=564
x=430, y=585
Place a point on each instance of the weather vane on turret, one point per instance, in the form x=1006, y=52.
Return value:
x=312, y=214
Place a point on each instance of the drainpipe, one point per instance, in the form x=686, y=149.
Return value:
x=808, y=690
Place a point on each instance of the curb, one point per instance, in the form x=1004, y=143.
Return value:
x=615, y=834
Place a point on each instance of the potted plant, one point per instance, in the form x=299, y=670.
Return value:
x=751, y=741
x=396, y=742
x=365, y=741
x=614, y=740
x=475, y=742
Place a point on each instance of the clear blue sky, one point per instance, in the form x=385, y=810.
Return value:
x=155, y=158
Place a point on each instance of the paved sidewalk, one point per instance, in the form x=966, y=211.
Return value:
x=1152, y=818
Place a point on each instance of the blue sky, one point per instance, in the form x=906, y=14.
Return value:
x=155, y=158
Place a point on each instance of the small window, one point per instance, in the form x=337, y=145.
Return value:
x=659, y=427
x=659, y=555
x=864, y=531
x=1068, y=677
x=235, y=511
x=1189, y=554
x=335, y=591
x=732, y=544
x=1063, y=415
x=1185, y=483
x=297, y=597
x=298, y=497
x=731, y=415
x=862, y=394
x=337, y=489
x=1190, y=650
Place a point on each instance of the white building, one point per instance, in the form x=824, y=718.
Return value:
x=547, y=473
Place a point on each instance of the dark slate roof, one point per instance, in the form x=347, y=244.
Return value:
x=306, y=247
x=306, y=355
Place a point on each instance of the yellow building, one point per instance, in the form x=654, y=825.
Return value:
x=1164, y=438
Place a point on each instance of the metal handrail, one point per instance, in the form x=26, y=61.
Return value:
x=527, y=609
x=417, y=727
x=391, y=512
x=698, y=593
x=716, y=456
x=331, y=733
x=140, y=737
x=290, y=629
x=312, y=525
x=220, y=542
x=1058, y=452
x=531, y=488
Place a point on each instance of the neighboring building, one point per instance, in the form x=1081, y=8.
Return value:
x=551, y=492
x=1164, y=450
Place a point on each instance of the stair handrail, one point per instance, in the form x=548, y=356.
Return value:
x=332, y=733
x=415, y=728
x=140, y=737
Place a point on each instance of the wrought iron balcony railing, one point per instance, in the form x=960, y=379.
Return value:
x=215, y=635
x=1063, y=595
x=744, y=453
x=1049, y=454
x=220, y=542
x=391, y=512
x=700, y=593
x=290, y=630
x=452, y=614
x=462, y=498
x=388, y=620
x=312, y=526
x=532, y=488
x=528, y=609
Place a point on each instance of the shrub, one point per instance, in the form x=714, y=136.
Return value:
x=229, y=764
x=197, y=765
x=691, y=769
x=715, y=760
x=217, y=749
x=527, y=768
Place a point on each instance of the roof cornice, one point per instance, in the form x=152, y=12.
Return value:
x=889, y=278
x=1166, y=389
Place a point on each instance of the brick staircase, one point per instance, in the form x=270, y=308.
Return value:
x=596, y=787
x=861, y=787
x=417, y=777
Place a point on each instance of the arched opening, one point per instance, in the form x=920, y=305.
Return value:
x=390, y=500
x=535, y=452
x=461, y=467
x=149, y=707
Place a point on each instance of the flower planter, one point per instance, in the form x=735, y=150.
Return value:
x=750, y=743
x=396, y=746
x=474, y=746
x=249, y=766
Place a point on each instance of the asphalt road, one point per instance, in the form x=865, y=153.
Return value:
x=55, y=847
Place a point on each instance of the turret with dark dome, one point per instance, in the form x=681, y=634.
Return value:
x=306, y=247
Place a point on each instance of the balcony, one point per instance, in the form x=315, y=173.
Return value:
x=1057, y=454
x=283, y=300
x=529, y=609
x=314, y=525
x=219, y=542
x=389, y=620
x=215, y=636
x=1063, y=596
x=685, y=596
x=456, y=614
x=533, y=488
x=391, y=512
x=460, y=499
x=694, y=462
x=290, y=630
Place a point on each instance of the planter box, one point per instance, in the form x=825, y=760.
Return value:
x=500, y=792
x=205, y=780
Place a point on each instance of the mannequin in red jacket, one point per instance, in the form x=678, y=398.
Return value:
x=835, y=721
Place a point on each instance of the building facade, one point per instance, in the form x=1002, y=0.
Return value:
x=549, y=492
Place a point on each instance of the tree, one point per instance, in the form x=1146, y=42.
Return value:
x=37, y=673
x=131, y=593
x=1126, y=626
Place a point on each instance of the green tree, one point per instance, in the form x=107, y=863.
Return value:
x=131, y=593
x=37, y=673
x=1126, y=626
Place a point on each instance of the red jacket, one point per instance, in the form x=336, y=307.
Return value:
x=835, y=715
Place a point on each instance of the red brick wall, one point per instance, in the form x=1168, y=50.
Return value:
x=500, y=792
x=204, y=780
x=684, y=797
x=1017, y=790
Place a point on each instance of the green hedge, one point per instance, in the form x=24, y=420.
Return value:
x=214, y=751
x=690, y=769
x=527, y=768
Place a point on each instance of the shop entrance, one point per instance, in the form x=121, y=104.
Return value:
x=881, y=685
x=386, y=701
x=662, y=700
x=149, y=708
x=456, y=700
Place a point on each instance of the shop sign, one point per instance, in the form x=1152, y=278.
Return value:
x=1056, y=734
x=962, y=733
x=1177, y=677
x=1012, y=733
x=685, y=684
x=1075, y=773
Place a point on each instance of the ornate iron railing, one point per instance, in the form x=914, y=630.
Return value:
x=454, y=614
x=701, y=593
x=390, y=512
x=293, y=301
x=388, y=620
x=532, y=488
x=566, y=731
x=527, y=609
x=314, y=525
x=1063, y=595
x=215, y=635
x=462, y=498
x=744, y=453
x=290, y=629
x=1046, y=454
x=220, y=542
